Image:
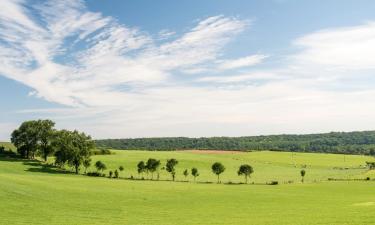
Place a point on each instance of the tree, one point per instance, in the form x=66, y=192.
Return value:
x=186, y=173
x=45, y=137
x=34, y=136
x=194, y=172
x=303, y=173
x=121, y=168
x=87, y=163
x=152, y=165
x=245, y=170
x=110, y=174
x=116, y=174
x=100, y=166
x=170, y=167
x=72, y=147
x=25, y=138
x=141, y=167
x=218, y=168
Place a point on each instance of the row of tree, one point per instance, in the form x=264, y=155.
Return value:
x=335, y=142
x=40, y=138
x=152, y=165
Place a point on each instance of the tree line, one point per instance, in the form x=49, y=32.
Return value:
x=152, y=166
x=335, y=142
x=40, y=138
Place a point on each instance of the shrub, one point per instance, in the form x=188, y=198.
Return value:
x=94, y=174
x=274, y=182
x=116, y=174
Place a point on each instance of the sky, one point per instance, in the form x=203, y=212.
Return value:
x=120, y=69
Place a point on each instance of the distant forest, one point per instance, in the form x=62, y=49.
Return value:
x=335, y=142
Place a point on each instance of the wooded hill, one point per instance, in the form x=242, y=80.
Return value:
x=334, y=142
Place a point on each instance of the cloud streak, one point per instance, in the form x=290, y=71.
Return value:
x=113, y=80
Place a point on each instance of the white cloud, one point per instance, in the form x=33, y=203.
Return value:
x=242, y=62
x=119, y=81
x=341, y=48
x=241, y=78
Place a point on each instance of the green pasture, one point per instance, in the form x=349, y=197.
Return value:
x=33, y=193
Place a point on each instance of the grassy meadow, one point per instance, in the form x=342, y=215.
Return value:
x=31, y=193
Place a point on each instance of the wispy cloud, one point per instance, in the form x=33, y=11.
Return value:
x=242, y=62
x=113, y=80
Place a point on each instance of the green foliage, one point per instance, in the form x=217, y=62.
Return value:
x=335, y=142
x=72, y=147
x=110, y=174
x=141, y=167
x=194, y=172
x=86, y=163
x=170, y=167
x=371, y=165
x=33, y=137
x=186, y=173
x=218, y=168
x=121, y=168
x=100, y=166
x=303, y=173
x=101, y=151
x=151, y=166
x=116, y=175
x=245, y=170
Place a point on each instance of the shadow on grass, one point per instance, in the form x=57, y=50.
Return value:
x=39, y=167
x=34, y=165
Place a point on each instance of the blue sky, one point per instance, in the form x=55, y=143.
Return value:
x=188, y=68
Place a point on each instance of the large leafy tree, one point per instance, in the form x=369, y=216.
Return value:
x=25, y=138
x=72, y=147
x=170, y=167
x=245, y=170
x=45, y=137
x=218, y=168
x=34, y=136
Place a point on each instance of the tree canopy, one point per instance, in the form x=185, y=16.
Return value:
x=335, y=142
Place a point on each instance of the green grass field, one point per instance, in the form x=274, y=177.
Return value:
x=33, y=194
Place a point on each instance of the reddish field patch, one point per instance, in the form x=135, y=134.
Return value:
x=213, y=151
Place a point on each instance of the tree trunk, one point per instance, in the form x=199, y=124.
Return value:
x=218, y=178
x=246, y=179
x=77, y=168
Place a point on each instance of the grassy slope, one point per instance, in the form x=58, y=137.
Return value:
x=267, y=165
x=7, y=145
x=31, y=194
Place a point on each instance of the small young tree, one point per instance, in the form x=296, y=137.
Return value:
x=186, y=173
x=170, y=167
x=121, y=168
x=100, y=166
x=110, y=174
x=86, y=163
x=141, y=167
x=218, y=168
x=245, y=170
x=116, y=174
x=195, y=173
x=303, y=173
x=152, y=165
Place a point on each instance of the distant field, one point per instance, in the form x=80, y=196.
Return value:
x=33, y=194
x=7, y=145
x=268, y=166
